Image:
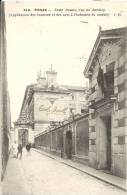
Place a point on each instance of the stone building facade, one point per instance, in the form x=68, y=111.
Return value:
x=48, y=103
x=107, y=73
x=5, y=119
x=120, y=115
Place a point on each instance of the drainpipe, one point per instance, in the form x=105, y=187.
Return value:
x=75, y=127
x=50, y=141
x=56, y=140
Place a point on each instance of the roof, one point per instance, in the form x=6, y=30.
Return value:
x=74, y=88
x=51, y=89
x=115, y=34
x=123, y=40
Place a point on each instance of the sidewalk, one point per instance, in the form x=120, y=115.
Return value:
x=14, y=181
x=110, y=179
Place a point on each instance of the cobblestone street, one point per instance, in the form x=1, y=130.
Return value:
x=39, y=174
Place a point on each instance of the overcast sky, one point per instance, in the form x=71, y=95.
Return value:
x=34, y=43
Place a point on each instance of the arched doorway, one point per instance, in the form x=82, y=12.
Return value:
x=23, y=137
x=69, y=144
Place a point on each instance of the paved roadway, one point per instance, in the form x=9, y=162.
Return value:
x=46, y=176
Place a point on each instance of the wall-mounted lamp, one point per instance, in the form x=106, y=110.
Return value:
x=114, y=97
x=89, y=73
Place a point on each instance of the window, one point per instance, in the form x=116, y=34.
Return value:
x=72, y=97
x=93, y=142
x=123, y=49
x=92, y=128
x=121, y=140
x=121, y=70
x=109, y=80
x=121, y=87
x=110, y=67
x=93, y=115
x=121, y=122
x=121, y=105
x=82, y=110
x=92, y=89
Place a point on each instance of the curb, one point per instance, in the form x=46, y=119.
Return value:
x=95, y=176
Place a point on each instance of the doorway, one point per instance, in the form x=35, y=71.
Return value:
x=69, y=144
x=108, y=124
x=106, y=139
x=23, y=137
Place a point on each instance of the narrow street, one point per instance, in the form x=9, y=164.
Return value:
x=40, y=174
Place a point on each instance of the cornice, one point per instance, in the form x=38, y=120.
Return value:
x=20, y=123
x=113, y=34
x=38, y=90
x=102, y=104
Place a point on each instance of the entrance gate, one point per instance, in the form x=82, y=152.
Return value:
x=23, y=137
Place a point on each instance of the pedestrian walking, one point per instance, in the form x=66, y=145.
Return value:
x=14, y=149
x=28, y=147
x=19, y=151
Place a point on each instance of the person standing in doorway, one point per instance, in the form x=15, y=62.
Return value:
x=19, y=151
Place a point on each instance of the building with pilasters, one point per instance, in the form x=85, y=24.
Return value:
x=48, y=103
x=5, y=115
x=107, y=72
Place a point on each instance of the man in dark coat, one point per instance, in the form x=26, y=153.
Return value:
x=28, y=147
x=19, y=151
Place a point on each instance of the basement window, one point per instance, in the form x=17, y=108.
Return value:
x=93, y=142
x=121, y=140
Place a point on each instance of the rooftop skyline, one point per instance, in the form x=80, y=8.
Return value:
x=34, y=43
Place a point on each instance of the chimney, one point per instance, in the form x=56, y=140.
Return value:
x=41, y=80
x=51, y=77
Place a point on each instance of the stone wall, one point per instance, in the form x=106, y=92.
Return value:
x=4, y=97
x=111, y=55
x=120, y=115
x=82, y=141
x=71, y=138
x=106, y=56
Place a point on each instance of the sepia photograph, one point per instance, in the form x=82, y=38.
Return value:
x=63, y=97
